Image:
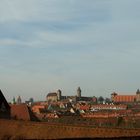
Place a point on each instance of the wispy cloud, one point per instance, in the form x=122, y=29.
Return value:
x=92, y=43
x=8, y=42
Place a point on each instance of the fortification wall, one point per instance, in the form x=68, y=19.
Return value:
x=35, y=130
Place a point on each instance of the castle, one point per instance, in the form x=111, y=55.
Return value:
x=57, y=96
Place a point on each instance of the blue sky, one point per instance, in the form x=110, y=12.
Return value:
x=47, y=45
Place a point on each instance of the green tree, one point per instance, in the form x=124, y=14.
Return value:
x=100, y=100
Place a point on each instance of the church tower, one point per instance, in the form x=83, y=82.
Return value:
x=59, y=94
x=138, y=95
x=19, y=100
x=79, y=92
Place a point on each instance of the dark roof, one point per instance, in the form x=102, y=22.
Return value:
x=84, y=98
x=114, y=93
x=3, y=100
x=52, y=94
x=4, y=107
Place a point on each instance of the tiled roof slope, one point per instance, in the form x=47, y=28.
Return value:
x=3, y=100
x=4, y=107
x=22, y=112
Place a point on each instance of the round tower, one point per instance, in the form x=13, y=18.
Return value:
x=79, y=92
x=59, y=94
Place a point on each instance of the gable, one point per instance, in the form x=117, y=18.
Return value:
x=3, y=103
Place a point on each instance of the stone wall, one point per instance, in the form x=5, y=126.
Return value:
x=35, y=130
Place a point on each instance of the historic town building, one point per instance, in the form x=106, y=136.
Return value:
x=52, y=97
x=120, y=98
x=57, y=96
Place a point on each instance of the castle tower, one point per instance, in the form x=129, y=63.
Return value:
x=138, y=95
x=79, y=92
x=19, y=100
x=59, y=94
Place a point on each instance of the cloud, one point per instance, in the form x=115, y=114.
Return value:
x=8, y=42
x=72, y=23
x=51, y=44
x=40, y=10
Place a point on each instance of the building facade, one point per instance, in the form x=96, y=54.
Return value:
x=52, y=97
x=120, y=98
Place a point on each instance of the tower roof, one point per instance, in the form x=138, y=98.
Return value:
x=79, y=89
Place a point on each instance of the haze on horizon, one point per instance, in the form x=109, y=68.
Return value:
x=47, y=45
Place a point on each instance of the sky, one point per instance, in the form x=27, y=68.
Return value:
x=47, y=45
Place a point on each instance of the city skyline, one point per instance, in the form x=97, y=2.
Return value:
x=48, y=45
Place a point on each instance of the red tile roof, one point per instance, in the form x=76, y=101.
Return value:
x=22, y=112
x=84, y=107
x=36, y=108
